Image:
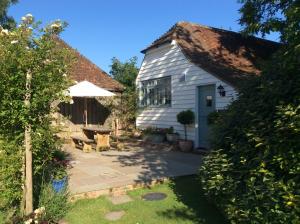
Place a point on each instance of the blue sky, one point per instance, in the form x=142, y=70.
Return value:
x=101, y=30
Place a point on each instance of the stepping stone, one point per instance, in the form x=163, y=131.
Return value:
x=114, y=216
x=154, y=196
x=119, y=199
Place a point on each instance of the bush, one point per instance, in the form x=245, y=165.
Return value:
x=56, y=204
x=185, y=118
x=253, y=174
x=155, y=131
x=29, y=50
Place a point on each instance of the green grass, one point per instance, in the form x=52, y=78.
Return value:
x=185, y=204
x=1, y=217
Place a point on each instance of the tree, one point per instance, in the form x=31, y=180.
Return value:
x=32, y=76
x=186, y=117
x=126, y=74
x=264, y=17
x=5, y=20
x=253, y=171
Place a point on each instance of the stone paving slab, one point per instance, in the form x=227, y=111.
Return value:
x=97, y=171
x=114, y=216
x=119, y=199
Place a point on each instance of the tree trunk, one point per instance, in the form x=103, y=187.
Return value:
x=185, y=135
x=23, y=183
x=28, y=153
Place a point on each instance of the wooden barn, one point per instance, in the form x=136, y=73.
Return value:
x=86, y=111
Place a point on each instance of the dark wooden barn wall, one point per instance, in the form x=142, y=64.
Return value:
x=97, y=113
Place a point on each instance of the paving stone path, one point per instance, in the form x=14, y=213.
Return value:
x=120, y=199
x=105, y=170
x=114, y=216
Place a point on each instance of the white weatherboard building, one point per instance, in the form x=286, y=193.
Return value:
x=198, y=68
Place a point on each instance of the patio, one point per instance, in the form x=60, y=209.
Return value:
x=97, y=173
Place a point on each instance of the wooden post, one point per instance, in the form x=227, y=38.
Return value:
x=28, y=153
x=116, y=127
x=85, y=111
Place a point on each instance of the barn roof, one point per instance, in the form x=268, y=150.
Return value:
x=228, y=55
x=85, y=70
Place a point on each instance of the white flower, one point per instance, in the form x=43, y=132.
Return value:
x=4, y=31
x=64, y=75
x=47, y=61
x=14, y=42
x=39, y=212
x=28, y=19
x=55, y=25
x=28, y=15
x=29, y=221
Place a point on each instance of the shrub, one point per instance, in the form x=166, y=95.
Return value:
x=29, y=50
x=185, y=118
x=56, y=204
x=253, y=174
x=155, y=131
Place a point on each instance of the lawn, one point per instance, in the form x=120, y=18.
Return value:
x=1, y=217
x=184, y=204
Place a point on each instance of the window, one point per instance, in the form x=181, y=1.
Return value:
x=209, y=101
x=156, y=92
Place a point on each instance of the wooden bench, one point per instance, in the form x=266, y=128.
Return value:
x=101, y=136
x=82, y=143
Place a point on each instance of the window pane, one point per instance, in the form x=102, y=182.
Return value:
x=156, y=92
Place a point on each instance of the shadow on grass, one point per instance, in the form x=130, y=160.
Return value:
x=198, y=209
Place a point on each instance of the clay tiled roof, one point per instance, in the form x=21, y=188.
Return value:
x=228, y=55
x=84, y=69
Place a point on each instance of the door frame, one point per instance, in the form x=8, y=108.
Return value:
x=197, y=90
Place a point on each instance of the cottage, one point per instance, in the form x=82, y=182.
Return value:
x=85, y=72
x=198, y=68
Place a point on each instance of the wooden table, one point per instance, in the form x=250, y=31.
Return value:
x=101, y=136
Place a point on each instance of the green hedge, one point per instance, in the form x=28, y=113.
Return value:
x=253, y=173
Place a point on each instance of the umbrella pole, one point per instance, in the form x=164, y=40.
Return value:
x=85, y=111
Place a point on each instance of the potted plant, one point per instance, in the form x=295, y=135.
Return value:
x=154, y=135
x=59, y=171
x=171, y=136
x=59, y=179
x=186, y=118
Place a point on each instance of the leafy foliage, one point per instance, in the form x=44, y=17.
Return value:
x=264, y=17
x=55, y=204
x=253, y=174
x=29, y=49
x=5, y=20
x=185, y=118
x=126, y=74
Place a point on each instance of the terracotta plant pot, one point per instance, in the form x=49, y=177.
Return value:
x=185, y=145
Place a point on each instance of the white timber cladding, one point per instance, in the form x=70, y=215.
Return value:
x=168, y=60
